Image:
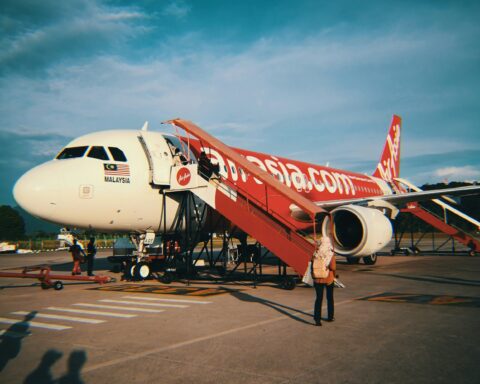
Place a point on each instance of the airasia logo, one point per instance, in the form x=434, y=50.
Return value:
x=184, y=176
x=389, y=163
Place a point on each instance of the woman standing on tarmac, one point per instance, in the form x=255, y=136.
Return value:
x=323, y=273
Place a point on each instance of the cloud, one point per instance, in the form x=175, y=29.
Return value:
x=325, y=86
x=177, y=9
x=66, y=34
x=27, y=149
x=462, y=165
x=22, y=151
x=459, y=173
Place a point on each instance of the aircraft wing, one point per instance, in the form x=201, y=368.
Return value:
x=395, y=199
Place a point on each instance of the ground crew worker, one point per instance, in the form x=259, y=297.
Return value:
x=205, y=166
x=77, y=255
x=179, y=158
x=324, y=250
x=91, y=252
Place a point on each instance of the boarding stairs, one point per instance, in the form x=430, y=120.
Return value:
x=440, y=223
x=256, y=216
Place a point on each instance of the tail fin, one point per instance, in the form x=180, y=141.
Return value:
x=389, y=165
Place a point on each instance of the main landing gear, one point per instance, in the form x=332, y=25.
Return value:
x=368, y=260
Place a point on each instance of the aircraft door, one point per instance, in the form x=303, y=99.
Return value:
x=159, y=157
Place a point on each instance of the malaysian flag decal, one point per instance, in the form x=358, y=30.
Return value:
x=116, y=169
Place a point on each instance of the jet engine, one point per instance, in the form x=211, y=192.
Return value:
x=357, y=231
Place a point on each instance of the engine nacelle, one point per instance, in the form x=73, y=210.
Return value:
x=358, y=231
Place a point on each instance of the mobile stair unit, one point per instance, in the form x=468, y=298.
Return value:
x=454, y=234
x=255, y=215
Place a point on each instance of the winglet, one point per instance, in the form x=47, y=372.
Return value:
x=389, y=166
x=145, y=126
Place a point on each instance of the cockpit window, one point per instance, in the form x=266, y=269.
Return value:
x=98, y=153
x=117, y=154
x=72, y=152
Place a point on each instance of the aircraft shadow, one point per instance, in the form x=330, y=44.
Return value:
x=100, y=264
x=19, y=286
x=283, y=309
x=435, y=279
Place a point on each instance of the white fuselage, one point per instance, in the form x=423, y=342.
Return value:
x=103, y=194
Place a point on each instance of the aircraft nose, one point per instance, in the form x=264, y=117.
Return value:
x=37, y=192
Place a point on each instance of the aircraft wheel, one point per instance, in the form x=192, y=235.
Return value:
x=45, y=285
x=130, y=271
x=167, y=278
x=288, y=283
x=353, y=260
x=370, y=260
x=58, y=285
x=142, y=271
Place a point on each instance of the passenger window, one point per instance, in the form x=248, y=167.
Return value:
x=72, y=152
x=117, y=154
x=98, y=153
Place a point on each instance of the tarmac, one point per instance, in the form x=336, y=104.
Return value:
x=406, y=319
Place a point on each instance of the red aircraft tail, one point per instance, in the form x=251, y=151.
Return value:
x=389, y=165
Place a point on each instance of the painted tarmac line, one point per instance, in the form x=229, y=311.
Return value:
x=36, y=324
x=167, y=300
x=137, y=303
x=88, y=312
x=146, y=310
x=60, y=317
x=143, y=354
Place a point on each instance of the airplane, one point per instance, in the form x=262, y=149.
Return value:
x=116, y=181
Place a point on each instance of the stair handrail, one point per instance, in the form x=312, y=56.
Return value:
x=256, y=204
x=308, y=206
x=443, y=204
x=437, y=216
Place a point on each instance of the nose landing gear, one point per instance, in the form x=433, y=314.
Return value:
x=140, y=269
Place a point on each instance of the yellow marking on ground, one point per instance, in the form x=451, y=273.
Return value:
x=166, y=291
x=135, y=289
x=155, y=289
x=394, y=299
x=206, y=292
x=441, y=300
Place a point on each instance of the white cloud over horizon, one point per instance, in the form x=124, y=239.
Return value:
x=466, y=172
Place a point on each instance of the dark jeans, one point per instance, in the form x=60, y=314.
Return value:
x=90, y=264
x=317, y=315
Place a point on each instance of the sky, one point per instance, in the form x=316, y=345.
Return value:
x=312, y=80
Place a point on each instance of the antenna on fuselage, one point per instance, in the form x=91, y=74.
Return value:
x=145, y=126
